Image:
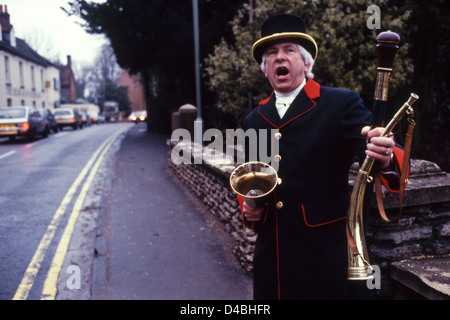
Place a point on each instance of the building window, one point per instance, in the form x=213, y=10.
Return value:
x=22, y=102
x=33, y=82
x=7, y=73
x=55, y=84
x=42, y=80
x=9, y=102
x=21, y=74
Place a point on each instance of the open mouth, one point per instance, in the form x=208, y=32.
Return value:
x=282, y=71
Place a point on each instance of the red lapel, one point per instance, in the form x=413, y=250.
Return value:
x=312, y=89
x=266, y=109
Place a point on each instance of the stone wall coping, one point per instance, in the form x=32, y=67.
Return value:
x=220, y=163
x=427, y=184
x=428, y=276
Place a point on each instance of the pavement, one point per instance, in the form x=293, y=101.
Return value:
x=154, y=240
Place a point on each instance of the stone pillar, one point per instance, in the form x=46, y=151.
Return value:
x=175, y=120
x=188, y=114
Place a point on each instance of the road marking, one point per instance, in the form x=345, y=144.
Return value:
x=35, y=264
x=3, y=156
x=51, y=282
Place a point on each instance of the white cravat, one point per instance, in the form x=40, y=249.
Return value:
x=284, y=100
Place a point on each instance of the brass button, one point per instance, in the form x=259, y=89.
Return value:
x=279, y=205
x=277, y=158
x=278, y=135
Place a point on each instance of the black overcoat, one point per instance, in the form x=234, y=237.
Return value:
x=301, y=249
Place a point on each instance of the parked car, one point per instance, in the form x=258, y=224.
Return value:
x=138, y=116
x=85, y=118
x=51, y=121
x=68, y=118
x=22, y=121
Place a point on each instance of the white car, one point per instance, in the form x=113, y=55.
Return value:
x=68, y=118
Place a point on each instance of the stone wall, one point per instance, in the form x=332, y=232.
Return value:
x=423, y=229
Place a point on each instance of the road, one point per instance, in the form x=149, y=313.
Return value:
x=95, y=214
x=42, y=185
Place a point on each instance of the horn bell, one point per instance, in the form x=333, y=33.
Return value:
x=254, y=181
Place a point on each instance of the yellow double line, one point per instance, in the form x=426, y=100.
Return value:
x=50, y=284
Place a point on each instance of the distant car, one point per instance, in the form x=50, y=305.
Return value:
x=68, y=118
x=96, y=117
x=51, y=121
x=101, y=118
x=85, y=118
x=138, y=116
x=22, y=121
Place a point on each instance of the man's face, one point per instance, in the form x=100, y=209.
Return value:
x=285, y=68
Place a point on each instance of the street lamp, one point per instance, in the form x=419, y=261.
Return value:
x=198, y=124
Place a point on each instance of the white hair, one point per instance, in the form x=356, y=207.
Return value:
x=307, y=58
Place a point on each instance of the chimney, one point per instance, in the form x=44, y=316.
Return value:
x=69, y=61
x=4, y=19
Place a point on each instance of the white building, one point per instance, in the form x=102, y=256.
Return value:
x=26, y=78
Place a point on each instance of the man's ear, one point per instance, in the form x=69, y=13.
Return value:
x=307, y=66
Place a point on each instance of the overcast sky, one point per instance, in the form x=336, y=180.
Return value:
x=51, y=32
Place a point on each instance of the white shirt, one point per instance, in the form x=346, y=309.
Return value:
x=284, y=100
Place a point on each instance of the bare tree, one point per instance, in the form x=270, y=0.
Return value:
x=91, y=80
x=42, y=44
x=106, y=65
x=84, y=80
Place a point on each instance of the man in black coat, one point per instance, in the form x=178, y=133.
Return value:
x=301, y=249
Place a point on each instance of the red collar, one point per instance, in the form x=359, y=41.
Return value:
x=312, y=90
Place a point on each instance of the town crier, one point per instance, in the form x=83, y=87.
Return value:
x=301, y=248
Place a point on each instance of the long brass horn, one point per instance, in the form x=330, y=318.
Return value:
x=358, y=259
x=255, y=181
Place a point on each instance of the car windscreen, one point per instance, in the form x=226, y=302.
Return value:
x=7, y=113
x=62, y=113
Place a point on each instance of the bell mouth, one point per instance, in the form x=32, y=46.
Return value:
x=253, y=179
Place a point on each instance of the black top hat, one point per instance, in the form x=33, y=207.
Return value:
x=283, y=28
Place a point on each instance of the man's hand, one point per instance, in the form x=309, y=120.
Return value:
x=379, y=148
x=252, y=214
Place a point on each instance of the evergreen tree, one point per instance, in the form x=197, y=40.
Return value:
x=155, y=38
x=346, y=56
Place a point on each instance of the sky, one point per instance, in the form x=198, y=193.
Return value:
x=51, y=32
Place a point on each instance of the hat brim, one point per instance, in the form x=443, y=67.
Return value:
x=303, y=39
